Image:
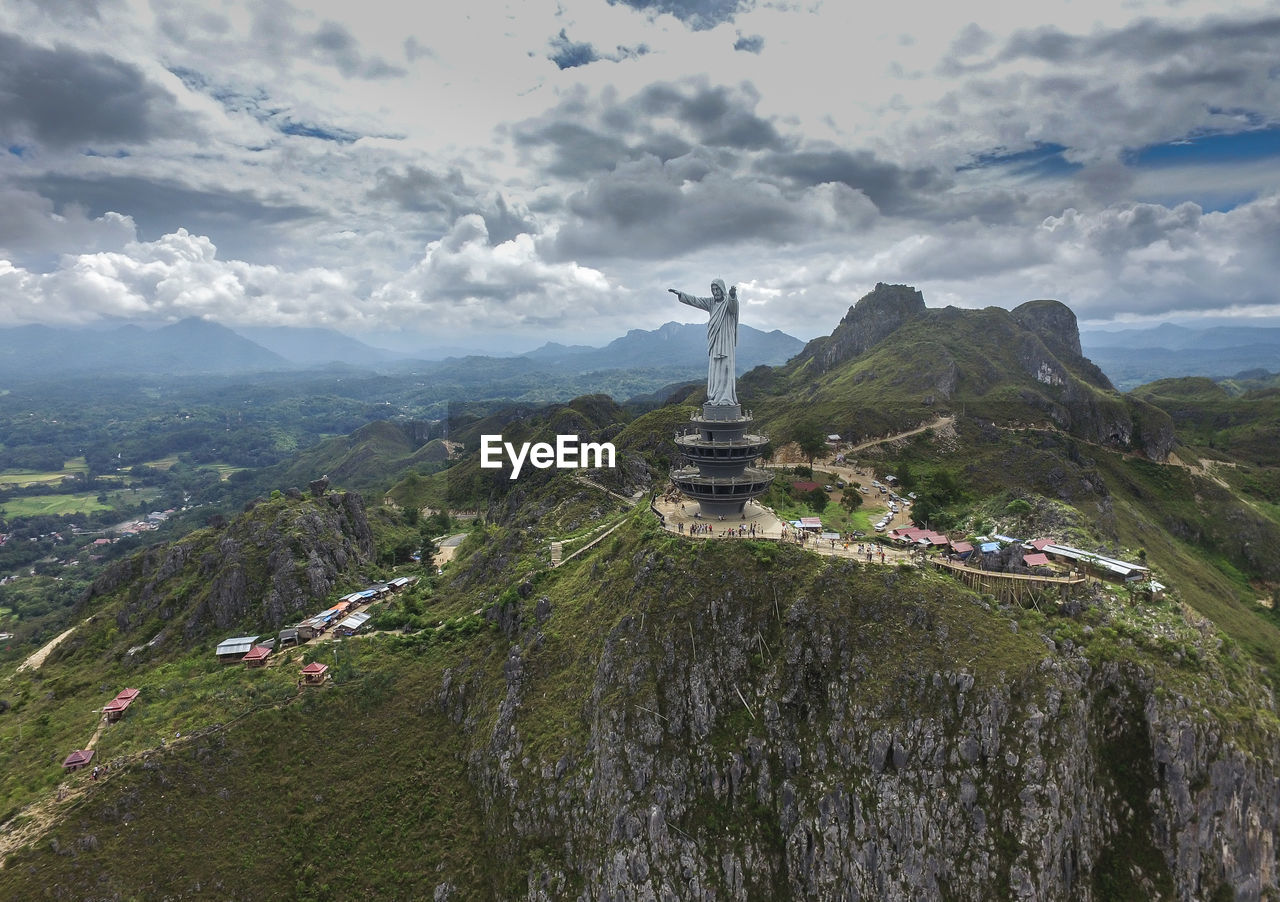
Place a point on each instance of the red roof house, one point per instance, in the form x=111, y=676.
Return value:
x=116, y=707
x=1040, y=544
x=257, y=656
x=313, y=673
x=805, y=486
x=1035, y=560
x=77, y=759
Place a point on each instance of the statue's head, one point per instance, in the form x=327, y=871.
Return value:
x=717, y=289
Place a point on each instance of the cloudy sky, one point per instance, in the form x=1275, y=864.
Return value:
x=493, y=175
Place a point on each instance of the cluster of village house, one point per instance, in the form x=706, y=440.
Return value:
x=252, y=653
x=1036, y=553
x=343, y=618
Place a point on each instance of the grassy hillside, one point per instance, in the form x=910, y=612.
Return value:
x=367, y=460
x=1212, y=546
x=357, y=790
x=439, y=761
x=1243, y=428
x=976, y=363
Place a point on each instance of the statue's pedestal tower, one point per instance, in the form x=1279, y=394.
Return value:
x=720, y=451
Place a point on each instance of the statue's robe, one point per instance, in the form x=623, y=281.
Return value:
x=722, y=342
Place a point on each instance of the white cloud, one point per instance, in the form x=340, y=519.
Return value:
x=176, y=276
x=463, y=284
x=329, y=143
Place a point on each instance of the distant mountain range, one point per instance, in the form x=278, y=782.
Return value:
x=183, y=348
x=1133, y=357
x=314, y=346
x=194, y=346
x=672, y=344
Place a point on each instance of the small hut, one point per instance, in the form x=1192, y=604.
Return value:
x=77, y=759
x=257, y=656
x=314, y=673
x=352, y=624
x=117, y=706
x=231, y=650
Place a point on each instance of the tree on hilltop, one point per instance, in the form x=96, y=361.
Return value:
x=811, y=439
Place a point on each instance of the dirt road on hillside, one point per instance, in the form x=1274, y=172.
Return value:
x=36, y=659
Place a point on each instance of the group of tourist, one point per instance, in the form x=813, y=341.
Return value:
x=743, y=530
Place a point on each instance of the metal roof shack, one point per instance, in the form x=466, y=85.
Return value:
x=257, y=656
x=1109, y=565
x=811, y=523
x=115, y=708
x=313, y=673
x=77, y=759
x=1035, y=560
x=964, y=549
x=352, y=624
x=235, y=649
x=402, y=582
x=287, y=635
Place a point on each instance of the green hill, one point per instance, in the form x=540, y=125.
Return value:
x=1241, y=426
x=892, y=364
x=678, y=717
x=368, y=459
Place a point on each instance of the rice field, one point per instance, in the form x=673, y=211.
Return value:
x=75, y=466
x=76, y=503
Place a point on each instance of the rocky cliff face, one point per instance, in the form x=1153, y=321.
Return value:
x=1074, y=402
x=854, y=736
x=872, y=319
x=269, y=566
x=1054, y=322
x=938, y=358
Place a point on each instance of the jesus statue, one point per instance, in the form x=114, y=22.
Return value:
x=722, y=340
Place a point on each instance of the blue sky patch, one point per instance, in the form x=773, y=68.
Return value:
x=1043, y=160
x=1220, y=148
x=307, y=130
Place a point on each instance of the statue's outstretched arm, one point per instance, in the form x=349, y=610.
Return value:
x=700, y=303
